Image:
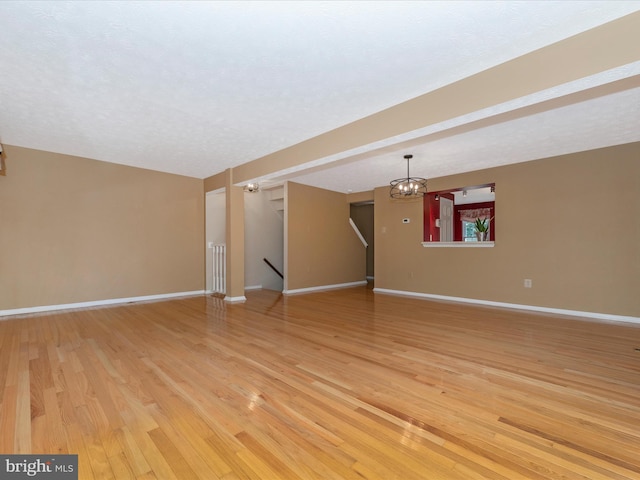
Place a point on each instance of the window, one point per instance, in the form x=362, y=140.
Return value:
x=468, y=232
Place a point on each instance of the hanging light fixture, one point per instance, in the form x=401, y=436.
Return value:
x=408, y=187
x=251, y=187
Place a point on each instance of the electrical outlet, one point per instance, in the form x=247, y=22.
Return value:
x=528, y=283
x=406, y=220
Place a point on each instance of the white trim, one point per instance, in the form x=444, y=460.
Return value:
x=97, y=303
x=322, y=288
x=240, y=299
x=517, y=306
x=285, y=240
x=357, y=230
x=458, y=244
x=252, y=287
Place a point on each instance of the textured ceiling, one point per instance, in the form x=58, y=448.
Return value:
x=196, y=87
x=605, y=121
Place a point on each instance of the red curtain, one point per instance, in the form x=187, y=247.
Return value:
x=474, y=214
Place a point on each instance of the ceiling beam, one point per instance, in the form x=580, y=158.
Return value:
x=594, y=51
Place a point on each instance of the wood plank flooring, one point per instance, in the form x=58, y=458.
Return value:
x=336, y=385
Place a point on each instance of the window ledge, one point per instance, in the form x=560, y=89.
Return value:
x=458, y=244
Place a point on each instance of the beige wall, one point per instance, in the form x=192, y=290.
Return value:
x=569, y=223
x=234, y=239
x=322, y=248
x=78, y=230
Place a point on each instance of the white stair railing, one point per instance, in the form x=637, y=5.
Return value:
x=357, y=230
x=219, y=269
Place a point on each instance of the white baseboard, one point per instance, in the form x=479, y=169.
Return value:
x=240, y=299
x=253, y=287
x=96, y=303
x=517, y=306
x=324, y=287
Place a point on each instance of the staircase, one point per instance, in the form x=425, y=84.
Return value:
x=276, y=199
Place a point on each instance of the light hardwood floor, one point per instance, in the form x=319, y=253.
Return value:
x=336, y=385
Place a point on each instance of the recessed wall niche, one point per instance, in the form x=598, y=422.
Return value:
x=455, y=215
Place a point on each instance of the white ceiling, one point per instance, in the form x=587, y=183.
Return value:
x=196, y=87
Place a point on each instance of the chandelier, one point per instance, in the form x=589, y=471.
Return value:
x=408, y=187
x=251, y=187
